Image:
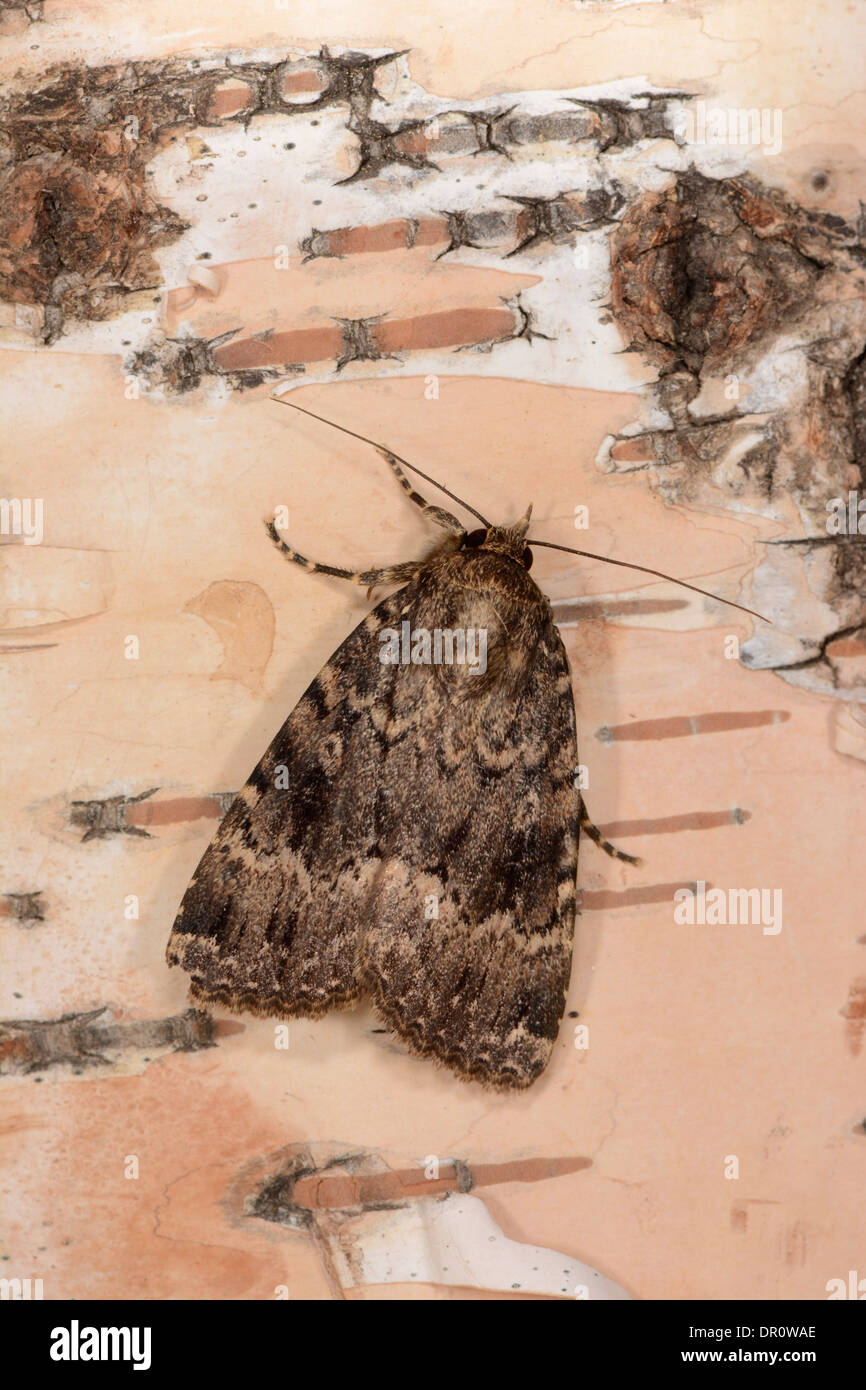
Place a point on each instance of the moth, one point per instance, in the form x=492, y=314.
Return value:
x=411, y=834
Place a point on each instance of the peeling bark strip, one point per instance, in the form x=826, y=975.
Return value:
x=456, y=133
x=129, y=815
x=371, y=340
x=402, y=234
x=342, y=1191
x=363, y=1181
x=683, y=725
x=607, y=900
x=23, y=907
x=178, y=809
x=667, y=825
x=373, y=1224
x=573, y=610
x=78, y=1040
x=108, y=817
x=534, y=220
x=178, y=365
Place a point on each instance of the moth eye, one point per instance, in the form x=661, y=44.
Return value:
x=527, y=558
x=474, y=539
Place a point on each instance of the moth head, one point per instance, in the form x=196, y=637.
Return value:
x=505, y=540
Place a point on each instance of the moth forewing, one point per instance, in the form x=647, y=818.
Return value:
x=422, y=849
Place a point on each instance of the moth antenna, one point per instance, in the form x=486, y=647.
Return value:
x=364, y=440
x=626, y=564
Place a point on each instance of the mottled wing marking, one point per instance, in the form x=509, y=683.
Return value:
x=425, y=851
x=272, y=918
x=482, y=985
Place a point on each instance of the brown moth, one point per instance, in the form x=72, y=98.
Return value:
x=411, y=834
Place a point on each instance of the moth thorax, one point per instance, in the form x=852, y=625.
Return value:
x=504, y=540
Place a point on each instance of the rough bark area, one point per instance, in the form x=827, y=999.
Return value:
x=504, y=245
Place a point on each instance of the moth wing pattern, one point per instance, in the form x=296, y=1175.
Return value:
x=424, y=851
x=482, y=985
x=272, y=918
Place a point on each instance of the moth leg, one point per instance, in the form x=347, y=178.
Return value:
x=595, y=834
x=436, y=514
x=391, y=574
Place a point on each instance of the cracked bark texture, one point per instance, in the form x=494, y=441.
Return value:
x=709, y=278
x=493, y=247
x=82, y=1040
